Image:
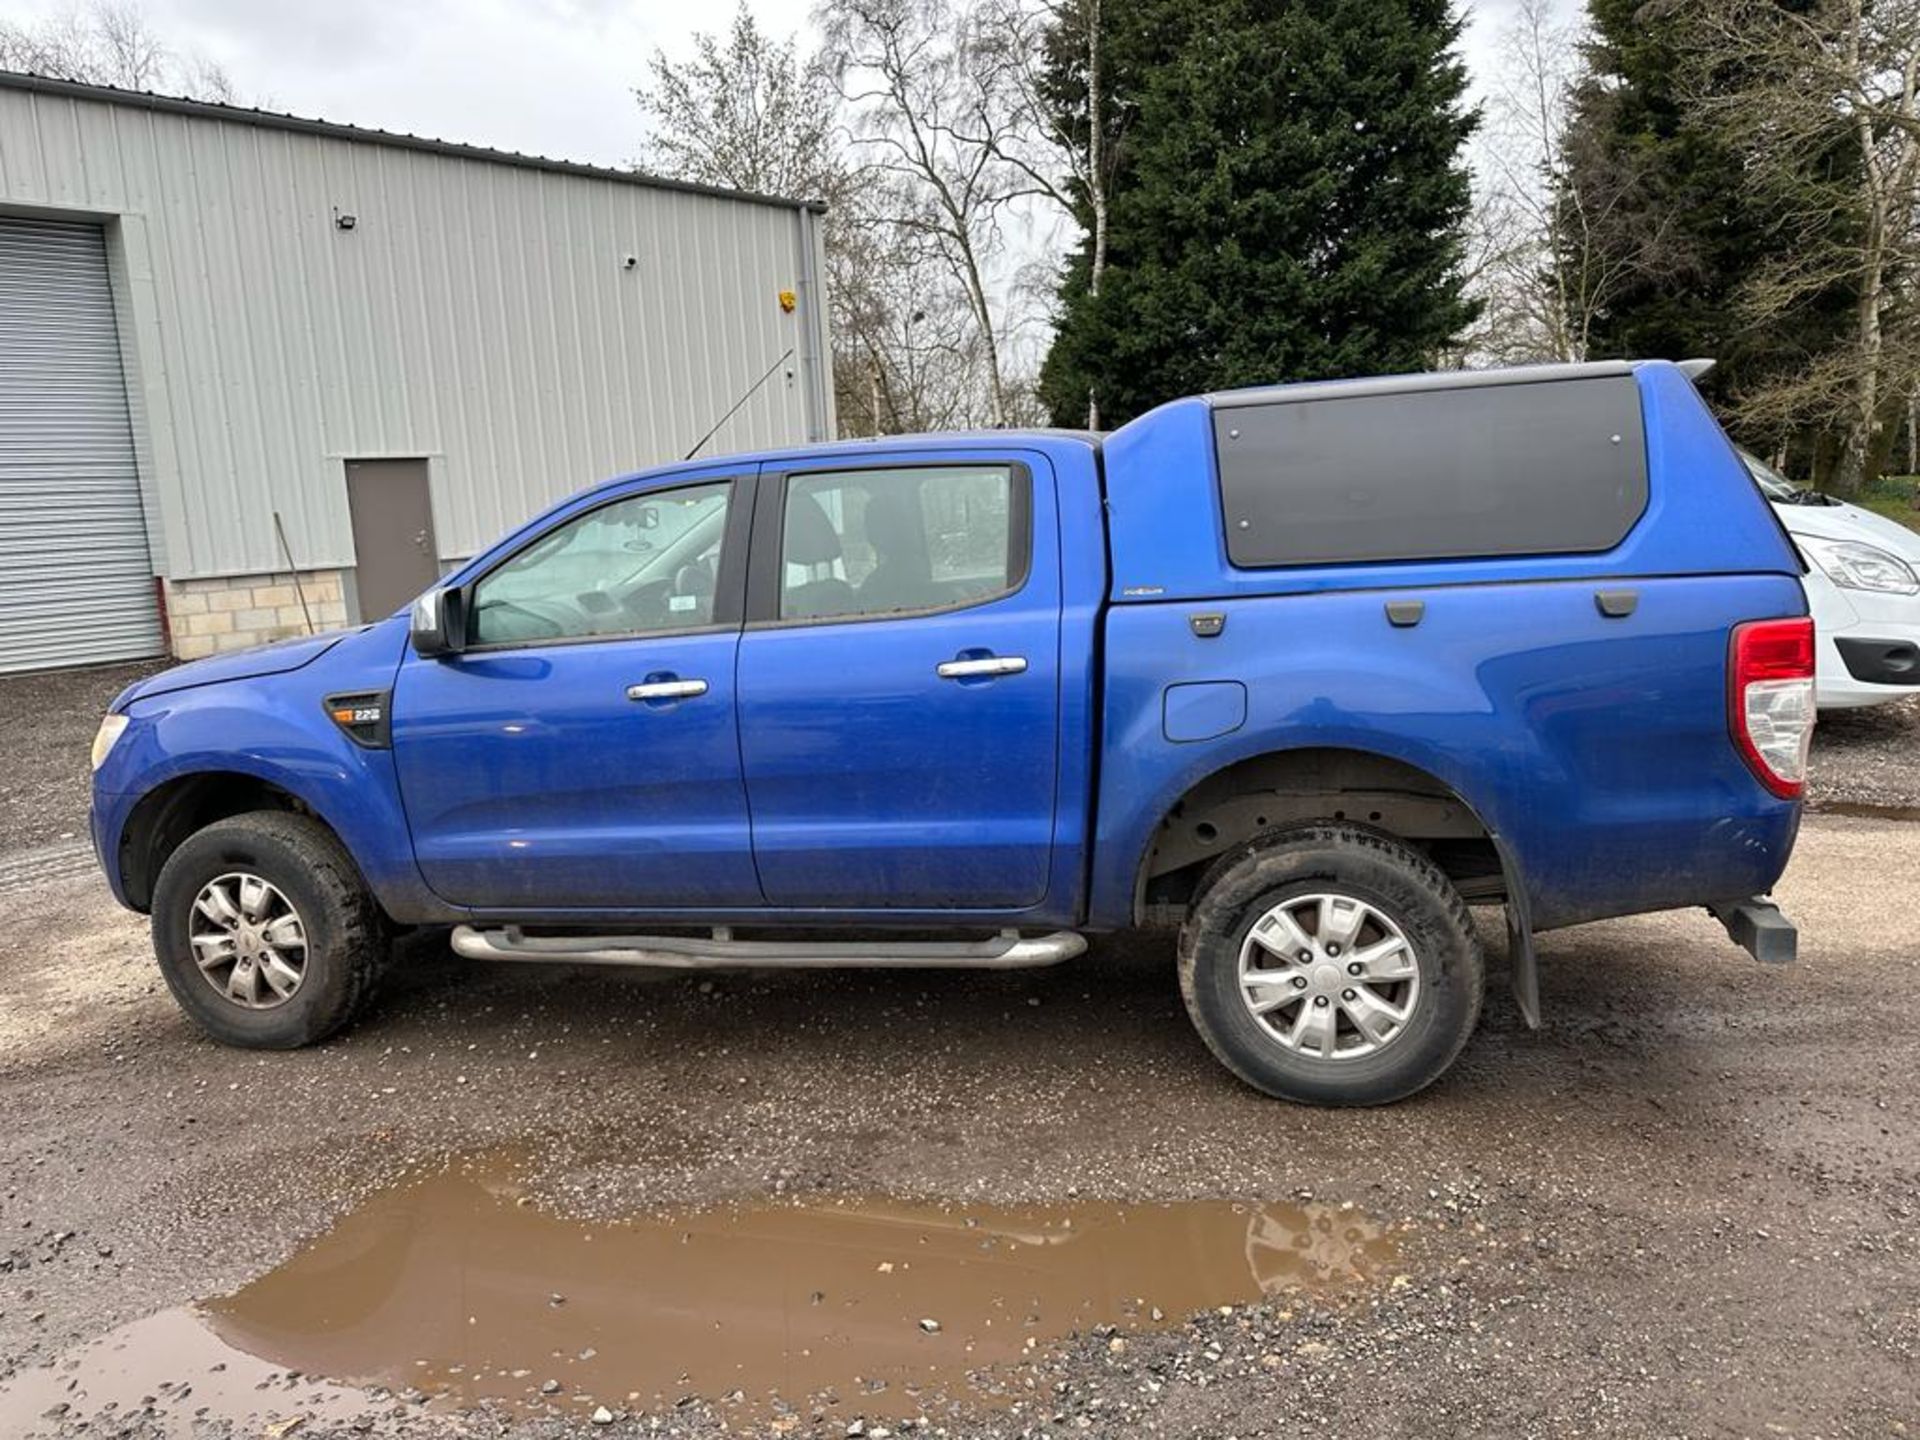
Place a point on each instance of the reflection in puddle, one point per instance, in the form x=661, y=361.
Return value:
x=460, y=1287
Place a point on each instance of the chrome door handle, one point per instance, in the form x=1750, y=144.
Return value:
x=667, y=690
x=985, y=665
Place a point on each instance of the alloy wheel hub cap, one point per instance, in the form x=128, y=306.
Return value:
x=248, y=941
x=1329, y=977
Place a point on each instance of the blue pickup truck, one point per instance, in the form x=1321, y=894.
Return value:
x=1302, y=672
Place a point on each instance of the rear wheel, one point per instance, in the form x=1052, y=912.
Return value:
x=1332, y=965
x=265, y=932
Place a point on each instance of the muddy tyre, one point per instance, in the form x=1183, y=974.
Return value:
x=1331, y=965
x=265, y=932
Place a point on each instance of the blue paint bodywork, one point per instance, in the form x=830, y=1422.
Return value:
x=829, y=777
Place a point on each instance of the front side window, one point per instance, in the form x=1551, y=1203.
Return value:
x=880, y=542
x=638, y=566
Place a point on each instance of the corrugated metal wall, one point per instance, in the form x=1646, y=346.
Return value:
x=479, y=314
x=76, y=583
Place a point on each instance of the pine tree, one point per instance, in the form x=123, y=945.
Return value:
x=1287, y=199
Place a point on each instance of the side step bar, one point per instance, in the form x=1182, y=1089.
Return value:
x=1758, y=927
x=1006, y=951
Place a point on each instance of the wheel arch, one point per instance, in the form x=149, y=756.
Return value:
x=1283, y=788
x=180, y=806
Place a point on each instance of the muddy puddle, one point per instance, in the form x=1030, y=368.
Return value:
x=460, y=1288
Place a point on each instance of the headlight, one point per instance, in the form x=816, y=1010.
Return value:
x=1854, y=566
x=111, y=728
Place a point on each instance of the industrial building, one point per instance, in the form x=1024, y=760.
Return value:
x=260, y=372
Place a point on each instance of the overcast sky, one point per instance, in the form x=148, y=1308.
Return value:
x=550, y=77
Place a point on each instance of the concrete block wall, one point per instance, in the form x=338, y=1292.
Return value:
x=234, y=612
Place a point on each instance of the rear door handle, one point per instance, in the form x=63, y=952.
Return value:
x=985, y=665
x=667, y=690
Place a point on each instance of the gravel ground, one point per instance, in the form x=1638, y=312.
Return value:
x=47, y=720
x=1689, y=1206
x=1868, y=757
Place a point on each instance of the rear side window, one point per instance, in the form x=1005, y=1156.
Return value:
x=1540, y=468
x=881, y=542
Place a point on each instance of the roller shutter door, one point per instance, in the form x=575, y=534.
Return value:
x=76, y=581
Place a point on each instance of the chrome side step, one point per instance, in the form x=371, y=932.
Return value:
x=1006, y=951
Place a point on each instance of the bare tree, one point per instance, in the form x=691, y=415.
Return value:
x=110, y=42
x=1059, y=143
x=1823, y=103
x=1562, y=224
x=932, y=112
x=749, y=113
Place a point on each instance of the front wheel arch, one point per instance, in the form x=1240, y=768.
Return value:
x=177, y=809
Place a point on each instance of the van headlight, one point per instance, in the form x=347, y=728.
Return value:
x=1854, y=566
x=111, y=729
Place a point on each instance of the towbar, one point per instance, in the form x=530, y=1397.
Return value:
x=1758, y=927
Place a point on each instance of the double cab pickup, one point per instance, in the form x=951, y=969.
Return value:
x=1301, y=673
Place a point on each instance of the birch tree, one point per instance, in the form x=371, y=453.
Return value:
x=931, y=113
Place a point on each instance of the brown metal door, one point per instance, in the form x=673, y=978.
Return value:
x=394, y=552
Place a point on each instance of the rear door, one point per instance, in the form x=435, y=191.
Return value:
x=899, y=682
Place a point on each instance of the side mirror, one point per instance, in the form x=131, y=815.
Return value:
x=439, y=624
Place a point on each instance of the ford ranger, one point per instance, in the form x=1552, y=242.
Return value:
x=1303, y=672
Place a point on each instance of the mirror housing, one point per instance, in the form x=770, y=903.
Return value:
x=439, y=623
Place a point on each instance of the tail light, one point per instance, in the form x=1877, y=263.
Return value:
x=1770, y=700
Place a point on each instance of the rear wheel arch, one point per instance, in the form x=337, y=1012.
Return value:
x=1284, y=789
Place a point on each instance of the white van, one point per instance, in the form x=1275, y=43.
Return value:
x=1863, y=586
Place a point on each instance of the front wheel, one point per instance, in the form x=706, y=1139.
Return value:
x=1332, y=965
x=265, y=932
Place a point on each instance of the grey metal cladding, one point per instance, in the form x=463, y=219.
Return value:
x=526, y=329
x=1553, y=466
x=304, y=125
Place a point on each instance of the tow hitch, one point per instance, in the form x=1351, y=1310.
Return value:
x=1758, y=927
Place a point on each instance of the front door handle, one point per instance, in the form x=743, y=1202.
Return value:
x=984, y=665
x=667, y=690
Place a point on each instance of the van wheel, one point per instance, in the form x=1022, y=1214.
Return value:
x=1332, y=965
x=265, y=932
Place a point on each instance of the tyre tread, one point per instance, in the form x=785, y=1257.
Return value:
x=361, y=941
x=1265, y=853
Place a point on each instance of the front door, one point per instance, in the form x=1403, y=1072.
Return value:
x=582, y=751
x=898, y=685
